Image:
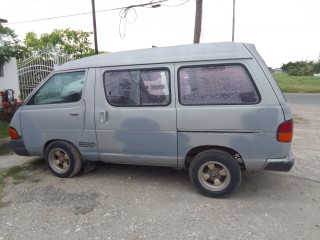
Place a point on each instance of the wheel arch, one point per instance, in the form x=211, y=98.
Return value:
x=55, y=140
x=196, y=150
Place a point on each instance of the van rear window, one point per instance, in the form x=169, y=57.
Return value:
x=216, y=84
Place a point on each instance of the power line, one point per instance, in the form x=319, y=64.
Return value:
x=124, y=20
x=124, y=12
x=151, y=3
x=177, y=4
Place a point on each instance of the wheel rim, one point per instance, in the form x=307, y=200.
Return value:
x=59, y=160
x=214, y=176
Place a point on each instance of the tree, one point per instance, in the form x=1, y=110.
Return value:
x=316, y=67
x=10, y=46
x=299, y=68
x=74, y=43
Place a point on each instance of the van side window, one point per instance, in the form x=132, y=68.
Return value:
x=137, y=87
x=60, y=88
x=217, y=84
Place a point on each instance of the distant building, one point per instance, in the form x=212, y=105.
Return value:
x=278, y=71
x=9, y=77
x=9, y=72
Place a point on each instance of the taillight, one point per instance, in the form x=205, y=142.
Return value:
x=285, y=131
x=13, y=133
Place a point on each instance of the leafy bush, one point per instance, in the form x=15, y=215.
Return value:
x=301, y=68
x=4, y=128
x=8, y=108
x=316, y=67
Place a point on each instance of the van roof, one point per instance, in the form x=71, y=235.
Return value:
x=183, y=53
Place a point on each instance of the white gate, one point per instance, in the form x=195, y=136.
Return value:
x=33, y=70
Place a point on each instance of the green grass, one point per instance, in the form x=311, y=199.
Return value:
x=4, y=128
x=303, y=84
x=15, y=173
x=19, y=174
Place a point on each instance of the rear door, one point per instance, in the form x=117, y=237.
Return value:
x=219, y=104
x=135, y=115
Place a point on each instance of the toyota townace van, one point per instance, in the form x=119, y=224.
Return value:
x=214, y=109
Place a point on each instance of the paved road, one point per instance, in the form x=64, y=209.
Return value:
x=303, y=98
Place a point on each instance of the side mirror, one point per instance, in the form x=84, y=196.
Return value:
x=8, y=95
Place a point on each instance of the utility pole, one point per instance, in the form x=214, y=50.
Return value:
x=197, y=24
x=233, y=19
x=94, y=27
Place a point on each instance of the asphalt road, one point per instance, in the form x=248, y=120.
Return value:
x=311, y=99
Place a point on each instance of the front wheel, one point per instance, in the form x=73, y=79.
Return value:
x=63, y=159
x=215, y=173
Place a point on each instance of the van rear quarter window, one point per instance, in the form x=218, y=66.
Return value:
x=137, y=87
x=216, y=85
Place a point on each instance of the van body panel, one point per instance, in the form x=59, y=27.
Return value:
x=87, y=142
x=136, y=134
x=18, y=145
x=253, y=118
x=39, y=128
x=287, y=114
x=254, y=147
x=252, y=49
x=16, y=121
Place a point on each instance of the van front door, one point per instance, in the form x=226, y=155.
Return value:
x=135, y=115
x=55, y=111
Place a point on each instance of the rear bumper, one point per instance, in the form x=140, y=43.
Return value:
x=17, y=145
x=280, y=164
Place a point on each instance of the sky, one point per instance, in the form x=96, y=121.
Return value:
x=282, y=30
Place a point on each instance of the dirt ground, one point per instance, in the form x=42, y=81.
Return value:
x=134, y=202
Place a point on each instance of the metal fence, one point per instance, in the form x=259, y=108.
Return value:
x=33, y=70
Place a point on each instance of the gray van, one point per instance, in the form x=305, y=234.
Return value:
x=214, y=109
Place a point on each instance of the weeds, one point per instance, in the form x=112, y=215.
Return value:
x=19, y=174
x=4, y=128
x=301, y=84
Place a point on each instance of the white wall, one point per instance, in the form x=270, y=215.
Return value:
x=10, y=79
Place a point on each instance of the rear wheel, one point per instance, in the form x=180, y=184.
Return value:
x=63, y=159
x=215, y=173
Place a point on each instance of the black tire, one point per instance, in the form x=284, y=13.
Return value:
x=215, y=173
x=63, y=159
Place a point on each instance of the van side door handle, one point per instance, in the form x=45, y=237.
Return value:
x=74, y=114
x=104, y=117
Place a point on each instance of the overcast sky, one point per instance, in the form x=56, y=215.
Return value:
x=282, y=30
